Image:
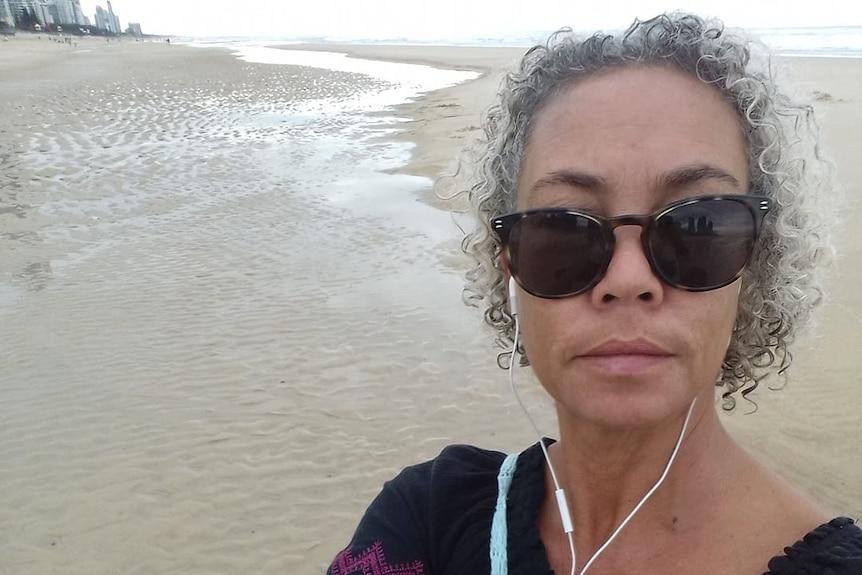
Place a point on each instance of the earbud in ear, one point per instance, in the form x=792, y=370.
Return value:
x=513, y=296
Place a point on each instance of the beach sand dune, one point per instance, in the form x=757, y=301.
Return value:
x=223, y=328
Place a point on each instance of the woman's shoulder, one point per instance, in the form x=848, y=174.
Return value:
x=455, y=466
x=433, y=517
x=833, y=548
x=467, y=459
x=458, y=485
x=777, y=519
x=459, y=472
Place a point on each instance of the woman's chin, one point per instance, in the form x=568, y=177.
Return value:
x=623, y=411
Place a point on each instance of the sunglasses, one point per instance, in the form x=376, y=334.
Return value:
x=696, y=244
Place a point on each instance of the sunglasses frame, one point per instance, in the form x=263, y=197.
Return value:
x=758, y=206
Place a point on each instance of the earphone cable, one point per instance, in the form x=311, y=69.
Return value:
x=562, y=504
x=560, y=494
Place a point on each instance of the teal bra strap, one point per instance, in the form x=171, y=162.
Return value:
x=499, y=538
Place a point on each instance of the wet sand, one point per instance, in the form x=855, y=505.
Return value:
x=219, y=340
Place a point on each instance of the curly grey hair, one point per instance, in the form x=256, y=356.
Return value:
x=780, y=287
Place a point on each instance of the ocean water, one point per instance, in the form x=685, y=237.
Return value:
x=836, y=41
x=358, y=123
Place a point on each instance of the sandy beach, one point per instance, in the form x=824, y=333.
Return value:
x=227, y=318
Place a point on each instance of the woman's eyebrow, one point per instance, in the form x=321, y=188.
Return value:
x=570, y=178
x=686, y=175
x=677, y=178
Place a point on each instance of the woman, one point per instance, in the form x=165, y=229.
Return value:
x=643, y=238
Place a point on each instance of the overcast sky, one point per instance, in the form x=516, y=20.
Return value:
x=441, y=19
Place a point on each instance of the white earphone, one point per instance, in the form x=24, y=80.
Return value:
x=513, y=297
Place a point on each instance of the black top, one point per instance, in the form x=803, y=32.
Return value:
x=435, y=519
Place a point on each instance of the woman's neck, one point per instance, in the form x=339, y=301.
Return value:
x=606, y=473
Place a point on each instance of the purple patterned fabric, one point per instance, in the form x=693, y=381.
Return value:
x=372, y=561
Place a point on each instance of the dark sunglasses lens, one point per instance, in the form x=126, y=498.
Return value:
x=703, y=245
x=557, y=254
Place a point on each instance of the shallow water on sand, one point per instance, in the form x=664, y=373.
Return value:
x=222, y=325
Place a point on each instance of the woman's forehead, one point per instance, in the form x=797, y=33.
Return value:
x=635, y=126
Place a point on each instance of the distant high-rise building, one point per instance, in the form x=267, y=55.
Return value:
x=101, y=18
x=107, y=20
x=14, y=7
x=6, y=14
x=134, y=29
x=115, y=20
x=79, y=13
x=36, y=8
x=52, y=14
x=45, y=11
x=40, y=8
x=65, y=11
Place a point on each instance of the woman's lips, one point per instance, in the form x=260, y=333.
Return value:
x=625, y=357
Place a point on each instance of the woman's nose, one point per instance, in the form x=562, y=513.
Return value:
x=629, y=276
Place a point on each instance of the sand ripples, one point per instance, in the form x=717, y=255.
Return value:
x=220, y=324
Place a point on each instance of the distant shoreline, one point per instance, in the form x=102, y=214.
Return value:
x=830, y=41
x=14, y=33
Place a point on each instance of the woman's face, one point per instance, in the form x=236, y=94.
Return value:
x=632, y=350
